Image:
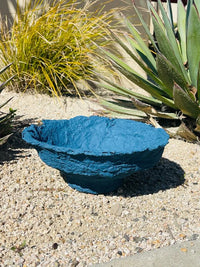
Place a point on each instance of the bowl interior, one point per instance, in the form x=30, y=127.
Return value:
x=101, y=135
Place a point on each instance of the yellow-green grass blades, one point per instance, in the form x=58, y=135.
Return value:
x=171, y=61
x=51, y=46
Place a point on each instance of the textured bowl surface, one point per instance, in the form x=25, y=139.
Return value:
x=95, y=154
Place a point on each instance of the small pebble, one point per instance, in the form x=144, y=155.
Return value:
x=126, y=237
x=55, y=246
x=116, y=209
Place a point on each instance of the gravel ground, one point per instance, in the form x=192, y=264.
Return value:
x=43, y=222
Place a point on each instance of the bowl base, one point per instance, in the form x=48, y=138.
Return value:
x=92, y=184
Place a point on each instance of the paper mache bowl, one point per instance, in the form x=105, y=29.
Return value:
x=94, y=154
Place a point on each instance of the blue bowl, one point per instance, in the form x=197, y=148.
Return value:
x=94, y=154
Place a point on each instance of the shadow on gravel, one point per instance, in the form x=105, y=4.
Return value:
x=165, y=175
x=12, y=149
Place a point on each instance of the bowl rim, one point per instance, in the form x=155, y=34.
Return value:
x=28, y=131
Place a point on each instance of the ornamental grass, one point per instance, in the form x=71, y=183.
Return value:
x=51, y=46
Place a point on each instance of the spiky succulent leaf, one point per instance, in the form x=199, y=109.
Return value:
x=197, y=4
x=173, y=42
x=133, y=54
x=5, y=68
x=5, y=125
x=136, y=78
x=189, y=5
x=185, y=103
x=181, y=25
x=115, y=107
x=151, y=72
x=197, y=129
x=3, y=85
x=5, y=118
x=147, y=55
x=5, y=103
x=148, y=109
x=172, y=68
x=155, y=15
x=193, y=44
x=128, y=93
x=184, y=132
x=168, y=74
x=198, y=84
x=169, y=8
x=146, y=28
x=168, y=50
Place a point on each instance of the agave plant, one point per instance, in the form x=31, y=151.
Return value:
x=5, y=118
x=171, y=62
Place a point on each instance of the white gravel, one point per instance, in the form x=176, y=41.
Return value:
x=43, y=222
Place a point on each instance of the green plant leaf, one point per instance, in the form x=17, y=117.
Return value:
x=151, y=73
x=136, y=49
x=189, y=5
x=5, y=118
x=169, y=81
x=156, y=15
x=181, y=24
x=186, y=133
x=5, y=68
x=164, y=44
x=112, y=106
x=168, y=74
x=2, y=105
x=148, y=109
x=198, y=84
x=150, y=61
x=193, y=44
x=197, y=4
x=169, y=8
x=128, y=93
x=198, y=124
x=185, y=103
x=4, y=139
x=146, y=28
x=3, y=85
x=169, y=48
x=133, y=76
